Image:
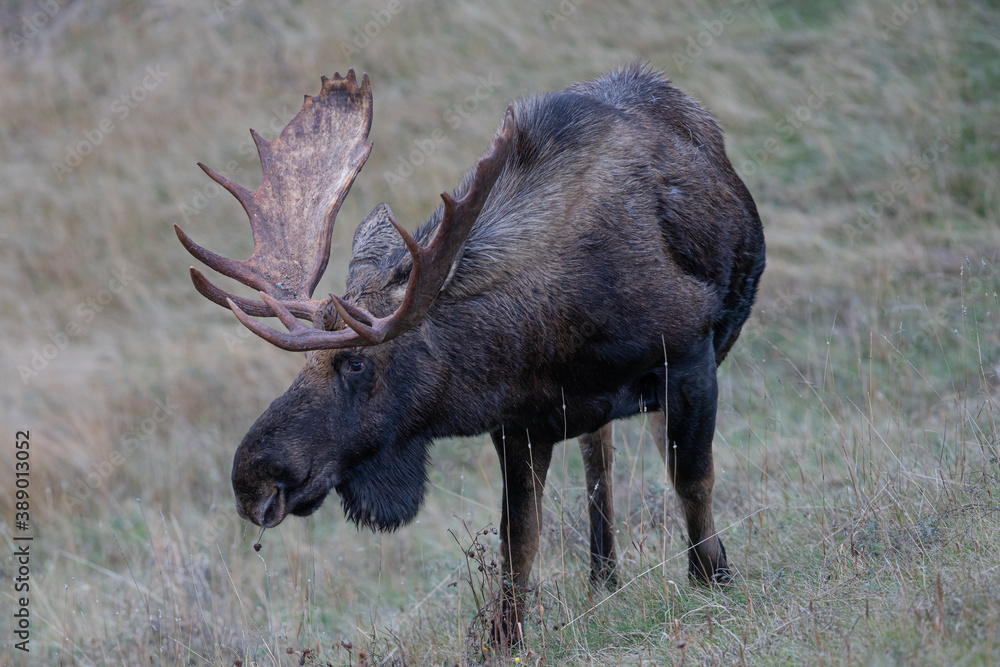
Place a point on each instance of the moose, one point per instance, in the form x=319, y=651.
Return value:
x=599, y=260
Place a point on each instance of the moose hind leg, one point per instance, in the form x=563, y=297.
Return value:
x=598, y=455
x=524, y=467
x=692, y=399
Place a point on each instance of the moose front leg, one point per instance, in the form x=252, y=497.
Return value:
x=598, y=455
x=524, y=468
x=692, y=398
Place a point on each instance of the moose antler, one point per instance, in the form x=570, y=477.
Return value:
x=307, y=172
x=431, y=266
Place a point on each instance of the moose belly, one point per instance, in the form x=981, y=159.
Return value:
x=585, y=412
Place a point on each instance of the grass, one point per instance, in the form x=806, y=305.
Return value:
x=857, y=451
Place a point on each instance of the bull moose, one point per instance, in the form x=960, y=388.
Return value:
x=599, y=260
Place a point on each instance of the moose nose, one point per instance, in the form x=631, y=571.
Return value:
x=267, y=511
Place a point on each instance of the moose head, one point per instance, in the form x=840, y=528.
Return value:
x=339, y=426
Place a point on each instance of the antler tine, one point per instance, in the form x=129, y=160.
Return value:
x=244, y=196
x=304, y=309
x=307, y=171
x=228, y=267
x=300, y=338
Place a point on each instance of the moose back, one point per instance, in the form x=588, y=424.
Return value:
x=600, y=259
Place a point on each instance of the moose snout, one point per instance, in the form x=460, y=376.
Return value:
x=262, y=487
x=269, y=487
x=266, y=510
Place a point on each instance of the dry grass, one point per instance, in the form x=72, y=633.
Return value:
x=857, y=450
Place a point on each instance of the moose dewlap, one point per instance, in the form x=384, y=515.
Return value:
x=604, y=230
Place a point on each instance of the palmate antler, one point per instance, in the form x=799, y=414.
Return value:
x=307, y=172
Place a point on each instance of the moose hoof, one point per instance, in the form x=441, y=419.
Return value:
x=709, y=566
x=507, y=611
x=604, y=578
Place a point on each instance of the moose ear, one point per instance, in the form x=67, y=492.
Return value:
x=379, y=258
x=376, y=238
x=375, y=253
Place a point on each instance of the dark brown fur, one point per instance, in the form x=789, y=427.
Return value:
x=616, y=234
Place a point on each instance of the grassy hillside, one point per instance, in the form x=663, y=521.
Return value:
x=857, y=446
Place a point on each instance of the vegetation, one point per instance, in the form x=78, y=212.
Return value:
x=857, y=452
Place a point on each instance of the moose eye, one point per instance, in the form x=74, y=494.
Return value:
x=354, y=365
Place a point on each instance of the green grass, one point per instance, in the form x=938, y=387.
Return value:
x=858, y=483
